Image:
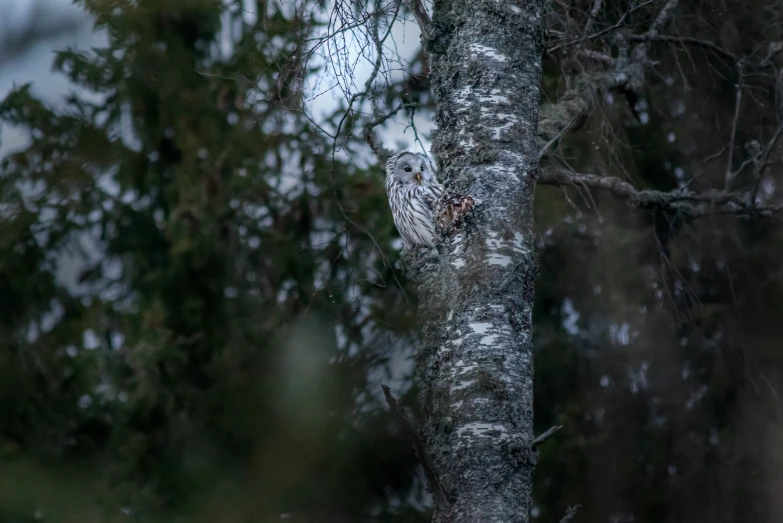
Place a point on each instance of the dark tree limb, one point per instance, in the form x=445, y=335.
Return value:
x=422, y=18
x=625, y=72
x=696, y=205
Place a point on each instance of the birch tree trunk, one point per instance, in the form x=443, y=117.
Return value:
x=476, y=298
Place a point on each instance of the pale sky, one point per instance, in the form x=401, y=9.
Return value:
x=63, y=24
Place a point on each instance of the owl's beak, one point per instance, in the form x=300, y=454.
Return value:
x=418, y=177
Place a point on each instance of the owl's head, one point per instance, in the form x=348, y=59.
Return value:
x=410, y=168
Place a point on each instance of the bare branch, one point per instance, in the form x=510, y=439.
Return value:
x=685, y=40
x=593, y=14
x=422, y=18
x=696, y=205
x=545, y=436
x=582, y=39
x=381, y=152
x=556, y=137
x=737, y=104
x=595, y=55
x=570, y=513
x=368, y=91
x=662, y=18
x=626, y=73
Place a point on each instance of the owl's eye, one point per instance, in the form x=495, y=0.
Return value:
x=408, y=169
x=422, y=167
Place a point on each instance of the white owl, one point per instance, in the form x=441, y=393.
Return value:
x=413, y=194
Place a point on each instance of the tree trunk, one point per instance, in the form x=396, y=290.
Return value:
x=476, y=365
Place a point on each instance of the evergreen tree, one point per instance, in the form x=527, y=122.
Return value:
x=212, y=360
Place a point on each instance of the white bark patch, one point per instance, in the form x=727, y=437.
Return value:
x=489, y=52
x=493, y=241
x=463, y=369
x=519, y=243
x=488, y=341
x=456, y=249
x=502, y=169
x=483, y=430
x=515, y=9
x=497, y=248
x=462, y=385
x=462, y=95
x=499, y=259
x=507, y=117
x=518, y=157
x=444, y=349
x=479, y=327
x=493, y=98
x=506, y=122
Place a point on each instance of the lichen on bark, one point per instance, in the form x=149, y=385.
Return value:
x=476, y=295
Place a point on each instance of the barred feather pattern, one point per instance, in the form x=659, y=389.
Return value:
x=413, y=204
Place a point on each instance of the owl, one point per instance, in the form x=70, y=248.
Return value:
x=413, y=194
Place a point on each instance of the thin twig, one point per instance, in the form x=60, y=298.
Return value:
x=596, y=55
x=696, y=205
x=737, y=104
x=545, y=436
x=381, y=152
x=556, y=137
x=593, y=14
x=368, y=91
x=662, y=18
x=570, y=513
x=762, y=161
x=619, y=24
x=684, y=40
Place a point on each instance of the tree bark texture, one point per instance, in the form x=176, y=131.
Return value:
x=476, y=297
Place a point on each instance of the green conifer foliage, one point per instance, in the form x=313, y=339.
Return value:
x=212, y=360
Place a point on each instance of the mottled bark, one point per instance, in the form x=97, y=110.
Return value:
x=476, y=296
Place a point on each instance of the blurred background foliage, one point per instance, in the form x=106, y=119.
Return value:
x=238, y=301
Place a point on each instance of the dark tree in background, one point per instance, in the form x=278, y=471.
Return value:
x=212, y=360
x=218, y=353
x=661, y=356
